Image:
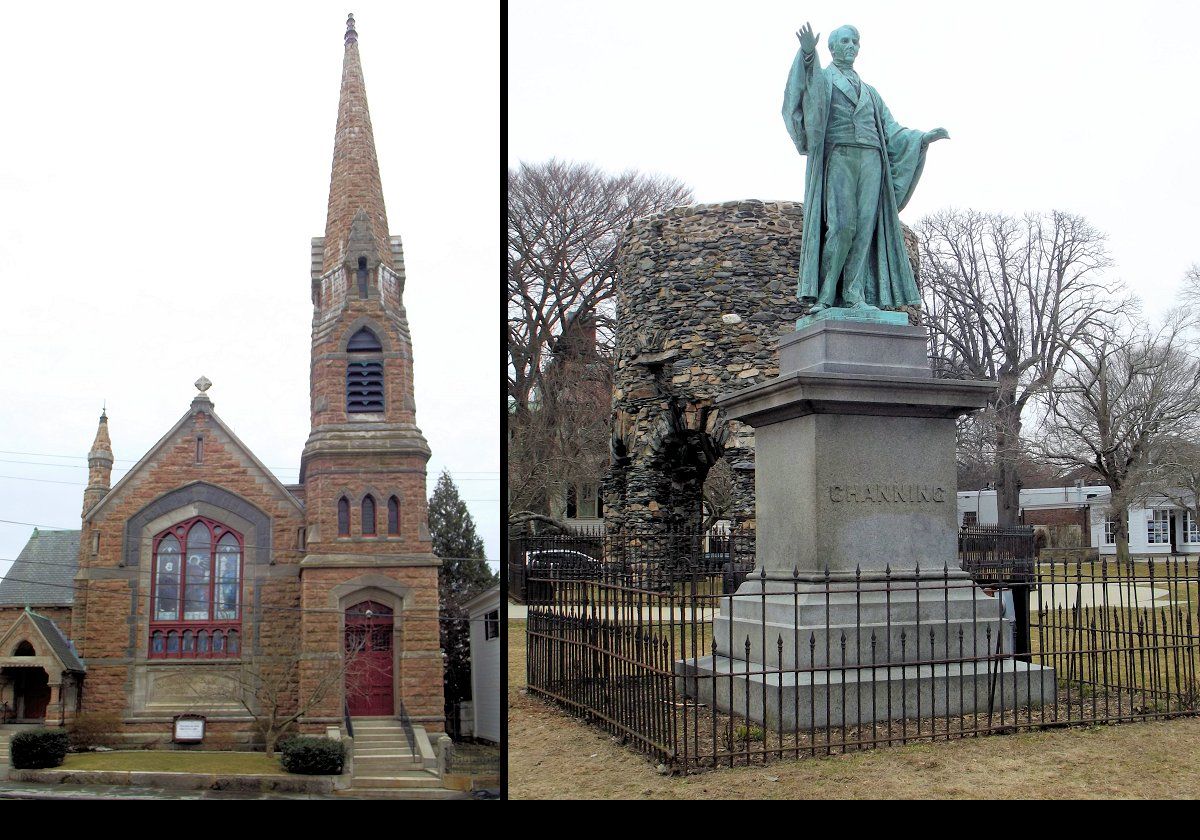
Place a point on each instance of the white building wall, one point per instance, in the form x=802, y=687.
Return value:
x=485, y=667
x=1139, y=532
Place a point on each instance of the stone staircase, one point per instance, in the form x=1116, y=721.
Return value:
x=386, y=763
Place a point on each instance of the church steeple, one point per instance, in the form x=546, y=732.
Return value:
x=355, y=188
x=365, y=452
x=100, y=461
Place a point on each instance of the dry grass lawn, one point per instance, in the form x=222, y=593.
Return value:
x=552, y=755
x=175, y=761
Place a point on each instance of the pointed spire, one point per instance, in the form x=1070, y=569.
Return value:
x=100, y=462
x=354, y=186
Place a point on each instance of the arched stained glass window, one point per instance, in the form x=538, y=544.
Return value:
x=198, y=569
x=228, y=585
x=393, y=516
x=368, y=516
x=168, y=574
x=343, y=517
x=196, y=593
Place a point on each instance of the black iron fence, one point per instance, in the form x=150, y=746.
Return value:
x=653, y=648
x=657, y=560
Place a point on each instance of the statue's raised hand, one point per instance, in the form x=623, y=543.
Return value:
x=936, y=134
x=808, y=41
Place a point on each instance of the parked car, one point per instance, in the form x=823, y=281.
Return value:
x=544, y=566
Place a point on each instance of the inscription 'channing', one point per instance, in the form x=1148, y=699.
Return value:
x=886, y=493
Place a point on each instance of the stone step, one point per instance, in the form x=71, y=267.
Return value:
x=401, y=793
x=409, y=779
x=378, y=734
x=383, y=744
x=818, y=698
x=388, y=768
x=386, y=756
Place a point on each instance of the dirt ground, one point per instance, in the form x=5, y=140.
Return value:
x=553, y=756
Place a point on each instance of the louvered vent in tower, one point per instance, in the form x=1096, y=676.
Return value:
x=364, y=375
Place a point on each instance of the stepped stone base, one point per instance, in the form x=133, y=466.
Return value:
x=803, y=654
x=851, y=696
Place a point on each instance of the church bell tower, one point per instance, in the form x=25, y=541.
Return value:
x=363, y=467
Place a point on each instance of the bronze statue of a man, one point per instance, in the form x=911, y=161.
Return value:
x=861, y=171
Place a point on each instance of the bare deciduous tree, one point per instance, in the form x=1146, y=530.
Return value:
x=1006, y=299
x=564, y=223
x=267, y=688
x=564, y=439
x=718, y=494
x=1119, y=402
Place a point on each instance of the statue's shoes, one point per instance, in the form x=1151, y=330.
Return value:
x=863, y=306
x=817, y=307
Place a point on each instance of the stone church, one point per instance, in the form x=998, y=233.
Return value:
x=199, y=583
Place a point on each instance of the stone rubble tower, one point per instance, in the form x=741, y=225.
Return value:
x=100, y=463
x=704, y=293
x=364, y=451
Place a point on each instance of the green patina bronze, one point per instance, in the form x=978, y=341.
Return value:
x=862, y=169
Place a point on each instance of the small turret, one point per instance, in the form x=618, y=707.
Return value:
x=100, y=462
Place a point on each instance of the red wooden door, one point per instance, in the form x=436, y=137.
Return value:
x=369, y=651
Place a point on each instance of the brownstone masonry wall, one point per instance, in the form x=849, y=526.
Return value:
x=409, y=588
x=110, y=622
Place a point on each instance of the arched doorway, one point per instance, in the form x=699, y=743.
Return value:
x=31, y=686
x=368, y=647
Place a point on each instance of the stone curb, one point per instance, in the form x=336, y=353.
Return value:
x=179, y=781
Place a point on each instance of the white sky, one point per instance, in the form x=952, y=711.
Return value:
x=1084, y=107
x=162, y=170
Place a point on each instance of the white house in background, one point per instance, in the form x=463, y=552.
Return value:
x=581, y=507
x=1156, y=524
x=484, y=612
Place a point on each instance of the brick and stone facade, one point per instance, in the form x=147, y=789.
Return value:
x=703, y=294
x=301, y=569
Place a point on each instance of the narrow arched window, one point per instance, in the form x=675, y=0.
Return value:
x=362, y=277
x=343, y=517
x=364, y=373
x=368, y=516
x=393, y=516
x=168, y=576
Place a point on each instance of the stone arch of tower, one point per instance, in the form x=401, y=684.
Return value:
x=703, y=294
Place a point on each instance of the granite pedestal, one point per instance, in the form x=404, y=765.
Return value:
x=857, y=604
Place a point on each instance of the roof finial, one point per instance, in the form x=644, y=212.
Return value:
x=104, y=411
x=203, y=384
x=351, y=35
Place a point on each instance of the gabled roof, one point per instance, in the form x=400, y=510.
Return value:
x=48, y=641
x=57, y=641
x=43, y=574
x=200, y=403
x=483, y=599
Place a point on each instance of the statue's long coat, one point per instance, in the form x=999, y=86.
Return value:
x=889, y=280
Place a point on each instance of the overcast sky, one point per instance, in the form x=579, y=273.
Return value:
x=1084, y=107
x=162, y=170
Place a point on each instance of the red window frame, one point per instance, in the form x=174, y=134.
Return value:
x=209, y=638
